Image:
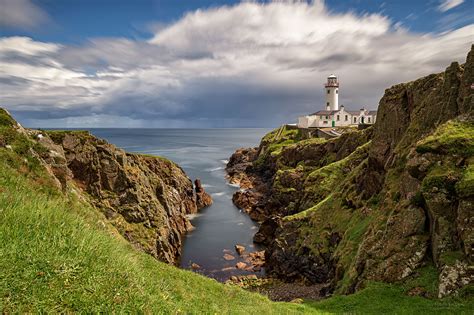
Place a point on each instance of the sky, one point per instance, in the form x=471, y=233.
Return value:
x=206, y=64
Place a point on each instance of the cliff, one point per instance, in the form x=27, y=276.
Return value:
x=146, y=198
x=383, y=204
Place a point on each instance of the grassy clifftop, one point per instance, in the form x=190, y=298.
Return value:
x=379, y=204
x=60, y=254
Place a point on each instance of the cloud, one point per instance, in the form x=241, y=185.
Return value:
x=454, y=20
x=21, y=14
x=245, y=65
x=446, y=5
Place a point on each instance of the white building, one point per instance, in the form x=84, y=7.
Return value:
x=335, y=116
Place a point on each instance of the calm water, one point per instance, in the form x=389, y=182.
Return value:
x=202, y=153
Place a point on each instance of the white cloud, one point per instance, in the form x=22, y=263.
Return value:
x=25, y=45
x=21, y=14
x=446, y=5
x=244, y=65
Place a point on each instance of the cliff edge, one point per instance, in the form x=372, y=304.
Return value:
x=383, y=204
x=146, y=198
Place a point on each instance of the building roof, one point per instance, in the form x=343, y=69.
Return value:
x=357, y=112
x=324, y=112
x=352, y=112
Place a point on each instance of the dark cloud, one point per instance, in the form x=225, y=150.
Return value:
x=246, y=65
x=22, y=14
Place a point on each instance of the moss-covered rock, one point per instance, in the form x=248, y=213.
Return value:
x=377, y=204
x=453, y=137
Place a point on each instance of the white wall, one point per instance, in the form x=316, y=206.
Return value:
x=316, y=120
x=303, y=122
x=368, y=119
x=332, y=97
x=342, y=122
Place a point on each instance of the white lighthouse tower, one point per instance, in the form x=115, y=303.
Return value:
x=332, y=91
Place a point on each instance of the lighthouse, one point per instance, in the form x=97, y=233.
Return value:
x=332, y=91
x=333, y=116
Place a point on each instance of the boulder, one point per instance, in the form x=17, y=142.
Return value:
x=228, y=257
x=453, y=277
x=240, y=265
x=240, y=249
x=203, y=199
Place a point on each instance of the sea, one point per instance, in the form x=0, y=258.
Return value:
x=203, y=154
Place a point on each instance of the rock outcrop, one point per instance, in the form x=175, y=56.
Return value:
x=203, y=199
x=375, y=204
x=146, y=198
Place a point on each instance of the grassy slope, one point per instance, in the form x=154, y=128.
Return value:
x=57, y=254
x=382, y=298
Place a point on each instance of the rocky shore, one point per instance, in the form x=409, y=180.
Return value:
x=371, y=205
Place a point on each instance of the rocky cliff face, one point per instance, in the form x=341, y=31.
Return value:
x=375, y=204
x=145, y=198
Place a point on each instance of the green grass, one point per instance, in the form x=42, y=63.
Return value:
x=465, y=187
x=383, y=298
x=57, y=255
x=309, y=211
x=441, y=177
x=455, y=137
x=156, y=157
x=450, y=257
x=19, y=142
x=275, y=141
x=58, y=135
x=311, y=141
x=6, y=119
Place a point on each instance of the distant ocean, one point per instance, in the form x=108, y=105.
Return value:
x=202, y=153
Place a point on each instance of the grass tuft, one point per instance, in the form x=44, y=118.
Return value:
x=454, y=137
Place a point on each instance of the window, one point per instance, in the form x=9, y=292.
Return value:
x=327, y=103
x=321, y=117
x=325, y=122
x=327, y=117
x=346, y=118
x=338, y=117
x=328, y=91
x=337, y=91
x=355, y=119
x=368, y=119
